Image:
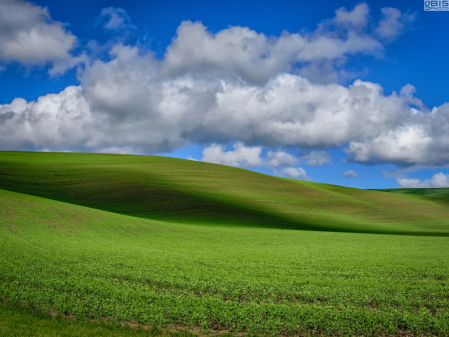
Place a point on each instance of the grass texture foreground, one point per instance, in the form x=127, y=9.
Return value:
x=173, y=243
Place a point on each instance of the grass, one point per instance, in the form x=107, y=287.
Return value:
x=93, y=237
x=22, y=322
x=177, y=190
x=429, y=192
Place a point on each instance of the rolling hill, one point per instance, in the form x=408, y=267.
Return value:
x=142, y=241
x=428, y=192
x=178, y=190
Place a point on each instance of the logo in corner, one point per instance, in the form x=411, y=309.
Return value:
x=436, y=5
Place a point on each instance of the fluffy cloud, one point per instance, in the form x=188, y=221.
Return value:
x=358, y=16
x=350, y=174
x=296, y=173
x=128, y=103
x=412, y=183
x=255, y=58
x=245, y=156
x=393, y=22
x=28, y=35
x=248, y=157
x=55, y=121
x=241, y=156
x=278, y=159
x=439, y=180
x=232, y=87
x=317, y=158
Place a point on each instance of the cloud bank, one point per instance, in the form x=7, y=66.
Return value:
x=235, y=86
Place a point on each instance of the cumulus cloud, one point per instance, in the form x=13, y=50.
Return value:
x=247, y=156
x=115, y=19
x=28, y=34
x=131, y=104
x=55, y=122
x=127, y=102
x=233, y=87
x=240, y=156
x=350, y=174
x=256, y=58
x=393, y=22
x=439, y=180
x=412, y=183
x=296, y=173
x=278, y=159
x=317, y=158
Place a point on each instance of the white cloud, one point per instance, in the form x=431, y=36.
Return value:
x=393, y=22
x=412, y=183
x=120, y=150
x=126, y=102
x=255, y=58
x=248, y=157
x=241, y=156
x=132, y=105
x=29, y=36
x=358, y=16
x=350, y=174
x=55, y=122
x=296, y=173
x=115, y=19
x=278, y=159
x=439, y=180
x=232, y=87
x=317, y=158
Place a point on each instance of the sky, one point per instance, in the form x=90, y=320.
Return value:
x=341, y=92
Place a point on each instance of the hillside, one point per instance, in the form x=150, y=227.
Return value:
x=428, y=192
x=96, y=265
x=181, y=245
x=178, y=190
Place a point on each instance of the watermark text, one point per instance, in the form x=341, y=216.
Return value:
x=436, y=5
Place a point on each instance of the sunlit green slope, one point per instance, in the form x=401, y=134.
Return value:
x=92, y=264
x=179, y=190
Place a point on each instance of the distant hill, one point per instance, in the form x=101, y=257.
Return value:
x=178, y=190
x=429, y=192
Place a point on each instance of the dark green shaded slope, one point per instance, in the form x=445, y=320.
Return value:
x=429, y=192
x=187, y=191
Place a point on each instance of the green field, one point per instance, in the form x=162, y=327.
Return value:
x=179, y=244
x=430, y=192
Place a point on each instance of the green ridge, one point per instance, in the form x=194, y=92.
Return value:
x=428, y=192
x=186, y=191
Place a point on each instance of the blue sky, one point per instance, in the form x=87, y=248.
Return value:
x=308, y=90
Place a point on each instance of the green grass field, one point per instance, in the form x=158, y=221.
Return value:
x=430, y=192
x=179, y=244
